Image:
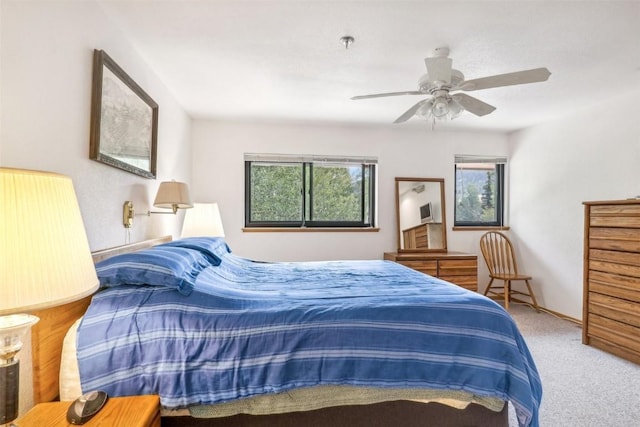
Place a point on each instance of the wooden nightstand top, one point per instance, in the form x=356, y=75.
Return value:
x=133, y=411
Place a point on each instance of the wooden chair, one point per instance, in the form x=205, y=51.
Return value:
x=498, y=253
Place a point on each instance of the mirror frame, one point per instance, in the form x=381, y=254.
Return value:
x=126, y=103
x=443, y=212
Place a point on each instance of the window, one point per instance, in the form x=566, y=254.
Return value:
x=479, y=191
x=309, y=191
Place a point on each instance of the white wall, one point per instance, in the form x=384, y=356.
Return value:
x=46, y=58
x=554, y=167
x=218, y=176
x=45, y=86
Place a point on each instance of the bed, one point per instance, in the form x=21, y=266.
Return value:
x=229, y=341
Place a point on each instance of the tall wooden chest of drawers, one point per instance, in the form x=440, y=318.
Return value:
x=611, y=308
x=455, y=267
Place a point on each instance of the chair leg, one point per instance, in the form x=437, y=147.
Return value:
x=507, y=293
x=486, y=290
x=533, y=297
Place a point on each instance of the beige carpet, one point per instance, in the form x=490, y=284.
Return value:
x=582, y=386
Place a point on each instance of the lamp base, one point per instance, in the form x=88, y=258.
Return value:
x=9, y=386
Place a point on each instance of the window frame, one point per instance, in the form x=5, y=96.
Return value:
x=500, y=164
x=368, y=166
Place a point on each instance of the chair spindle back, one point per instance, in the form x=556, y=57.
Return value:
x=498, y=254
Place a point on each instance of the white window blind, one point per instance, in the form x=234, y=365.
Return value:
x=309, y=158
x=460, y=158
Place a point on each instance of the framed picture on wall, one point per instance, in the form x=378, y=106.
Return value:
x=124, y=120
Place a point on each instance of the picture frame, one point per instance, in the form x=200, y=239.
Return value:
x=124, y=120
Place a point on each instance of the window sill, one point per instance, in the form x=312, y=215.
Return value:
x=309, y=229
x=482, y=228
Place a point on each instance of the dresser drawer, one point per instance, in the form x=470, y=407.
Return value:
x=427, y=267
x=467, y=282
x=617, y=309
x=457, y=267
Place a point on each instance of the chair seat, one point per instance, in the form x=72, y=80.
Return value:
x=510, y=276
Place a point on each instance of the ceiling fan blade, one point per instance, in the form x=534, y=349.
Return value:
x=439, y=69
x=411, y=111
x=509, y=79
x=473, y=105
x=380, y=95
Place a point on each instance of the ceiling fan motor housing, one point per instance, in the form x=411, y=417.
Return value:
x=426, y=85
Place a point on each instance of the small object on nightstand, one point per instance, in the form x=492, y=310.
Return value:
x=117, y=411
x=86, y=406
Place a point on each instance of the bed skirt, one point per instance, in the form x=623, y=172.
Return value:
x=398, y=413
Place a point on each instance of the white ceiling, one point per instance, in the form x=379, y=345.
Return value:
x=283, y=60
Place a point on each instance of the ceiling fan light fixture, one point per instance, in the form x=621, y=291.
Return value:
x=425, y=110
x=454, y=109
x=440, y=108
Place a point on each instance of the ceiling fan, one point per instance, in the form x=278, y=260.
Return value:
x=441, y=80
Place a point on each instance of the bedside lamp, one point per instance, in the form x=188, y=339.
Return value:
x=45, y=261
x=203, y=220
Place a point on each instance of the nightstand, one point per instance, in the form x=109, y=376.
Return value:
x=133, y=411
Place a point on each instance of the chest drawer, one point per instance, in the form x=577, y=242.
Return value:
x=615, y=285
x=617, y=239
x=620, y=310
x=609, y=330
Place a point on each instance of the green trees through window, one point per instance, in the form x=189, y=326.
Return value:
x=275, y=191
x=309, y=194
x=479, y=193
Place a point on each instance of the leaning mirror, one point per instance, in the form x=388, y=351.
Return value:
x=421, y=215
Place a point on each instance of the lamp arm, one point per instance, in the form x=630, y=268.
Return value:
x=158, y=212
x=174, y=208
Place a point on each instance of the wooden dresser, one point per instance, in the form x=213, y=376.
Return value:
x=611, y=308
x=455, y=267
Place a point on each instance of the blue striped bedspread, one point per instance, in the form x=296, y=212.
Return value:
x=250, y=328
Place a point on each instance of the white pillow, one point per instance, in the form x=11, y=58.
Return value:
x=70, y=388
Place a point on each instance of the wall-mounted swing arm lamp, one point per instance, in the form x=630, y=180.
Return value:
x=171, y=195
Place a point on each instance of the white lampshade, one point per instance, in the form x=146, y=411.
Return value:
x=173, y=195
x=203, y=220
x=45, y=258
